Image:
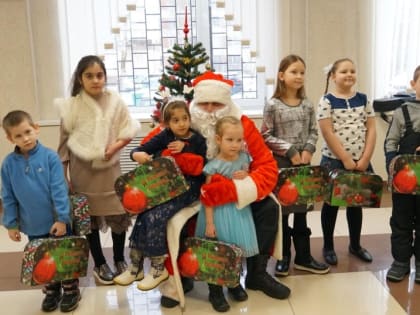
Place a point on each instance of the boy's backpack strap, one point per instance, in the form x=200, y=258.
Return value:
x=407, y=119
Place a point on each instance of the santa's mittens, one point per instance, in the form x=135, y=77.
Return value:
x=189, y=163
x=219, y=191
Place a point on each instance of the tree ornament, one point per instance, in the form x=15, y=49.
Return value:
x=288, y=193
x=176, y=67
x=134, y=200
x=405, y=181
x=188, y=263
x=45, y=269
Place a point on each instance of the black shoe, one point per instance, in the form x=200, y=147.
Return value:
x=398, y=271
x=361, y=253
x=313, y=266
x=168, y=302
x=51, y=301
x=282, y=267
x=238, y=293
x=187, y=284
x=330, y=256
x=217, y=299
x=70, y=301
x=266, y=283
x=104, y=274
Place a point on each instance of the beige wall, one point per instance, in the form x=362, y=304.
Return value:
x=321, y=31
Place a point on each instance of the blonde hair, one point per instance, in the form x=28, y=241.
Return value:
x=334, y=69
x=222, y=122
x=281, y=86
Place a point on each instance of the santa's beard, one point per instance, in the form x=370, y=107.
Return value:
x=205, y=123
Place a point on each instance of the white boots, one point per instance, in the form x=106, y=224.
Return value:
x=156, y=275
x=134, y=272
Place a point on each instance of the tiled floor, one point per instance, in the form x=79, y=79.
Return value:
x=352, y=287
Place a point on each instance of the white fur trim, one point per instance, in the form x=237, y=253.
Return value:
x=173, y=289
x=246, y=191
x=278, y=242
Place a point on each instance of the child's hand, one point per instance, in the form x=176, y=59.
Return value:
x=306, y=157
x=349, y=164
x=295, y=159
x=14, y=235
x=210, y=230
x=176, y=146
x=142, y=157
x=362, y=165
x=58, y=229
x=240, y=174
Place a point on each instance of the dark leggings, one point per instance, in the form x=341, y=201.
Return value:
x=118, y=242
x=354, y=221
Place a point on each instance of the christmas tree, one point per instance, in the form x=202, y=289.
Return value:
x=183, y=67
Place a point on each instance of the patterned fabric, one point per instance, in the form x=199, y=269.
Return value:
x=349, y=118
x=288, y=130
x=149, y=231
x=81, y=214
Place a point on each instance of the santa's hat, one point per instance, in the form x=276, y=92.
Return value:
x=213, y=87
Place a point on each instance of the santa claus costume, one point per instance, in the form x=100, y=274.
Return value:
x=255, y=190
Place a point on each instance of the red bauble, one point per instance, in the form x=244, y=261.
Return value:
x=176, y=67
x=188, y=263
x=405, y=181
x=134, y=200
x=288, y=193
x=44, y=270
x=358, y=198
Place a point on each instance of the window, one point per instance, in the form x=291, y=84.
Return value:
x=397, y=48
x=134, y=36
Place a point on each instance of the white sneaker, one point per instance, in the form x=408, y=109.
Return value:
x=153, y=279
x=129, y=276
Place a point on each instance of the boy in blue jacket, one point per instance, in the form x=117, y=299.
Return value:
x=35, y=198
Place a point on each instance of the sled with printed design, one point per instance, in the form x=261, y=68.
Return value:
x=355, y=189
x=405, y=174
x=150, y=184
x=211, y=261
x=54, y=259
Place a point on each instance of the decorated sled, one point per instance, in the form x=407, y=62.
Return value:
x=355, y=189
x=54, y=259
x=211, y=261
x=150, y=184
x=405, y=174
x=301, y=185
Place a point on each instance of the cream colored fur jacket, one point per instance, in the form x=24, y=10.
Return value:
x=92, y=126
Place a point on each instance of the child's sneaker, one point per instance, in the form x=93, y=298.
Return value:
x=398, y=271
x=129, y=276
x=156, y=275
x=120, y=267
x=71, y=295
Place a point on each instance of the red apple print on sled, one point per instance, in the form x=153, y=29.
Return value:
x=134, y=200
x=288, y=193
x=44, y=270
x=188, y=263
x=405, y=181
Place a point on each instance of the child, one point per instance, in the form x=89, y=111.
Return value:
x=403, y=137
x=95, y=126
x=148, y=238
x=35, y=198
x=228, y=223
x=347, y=123
x=289, y=130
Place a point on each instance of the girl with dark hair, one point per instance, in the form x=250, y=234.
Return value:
x=95, y=126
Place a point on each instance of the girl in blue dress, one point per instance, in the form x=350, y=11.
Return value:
x=228, y=223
